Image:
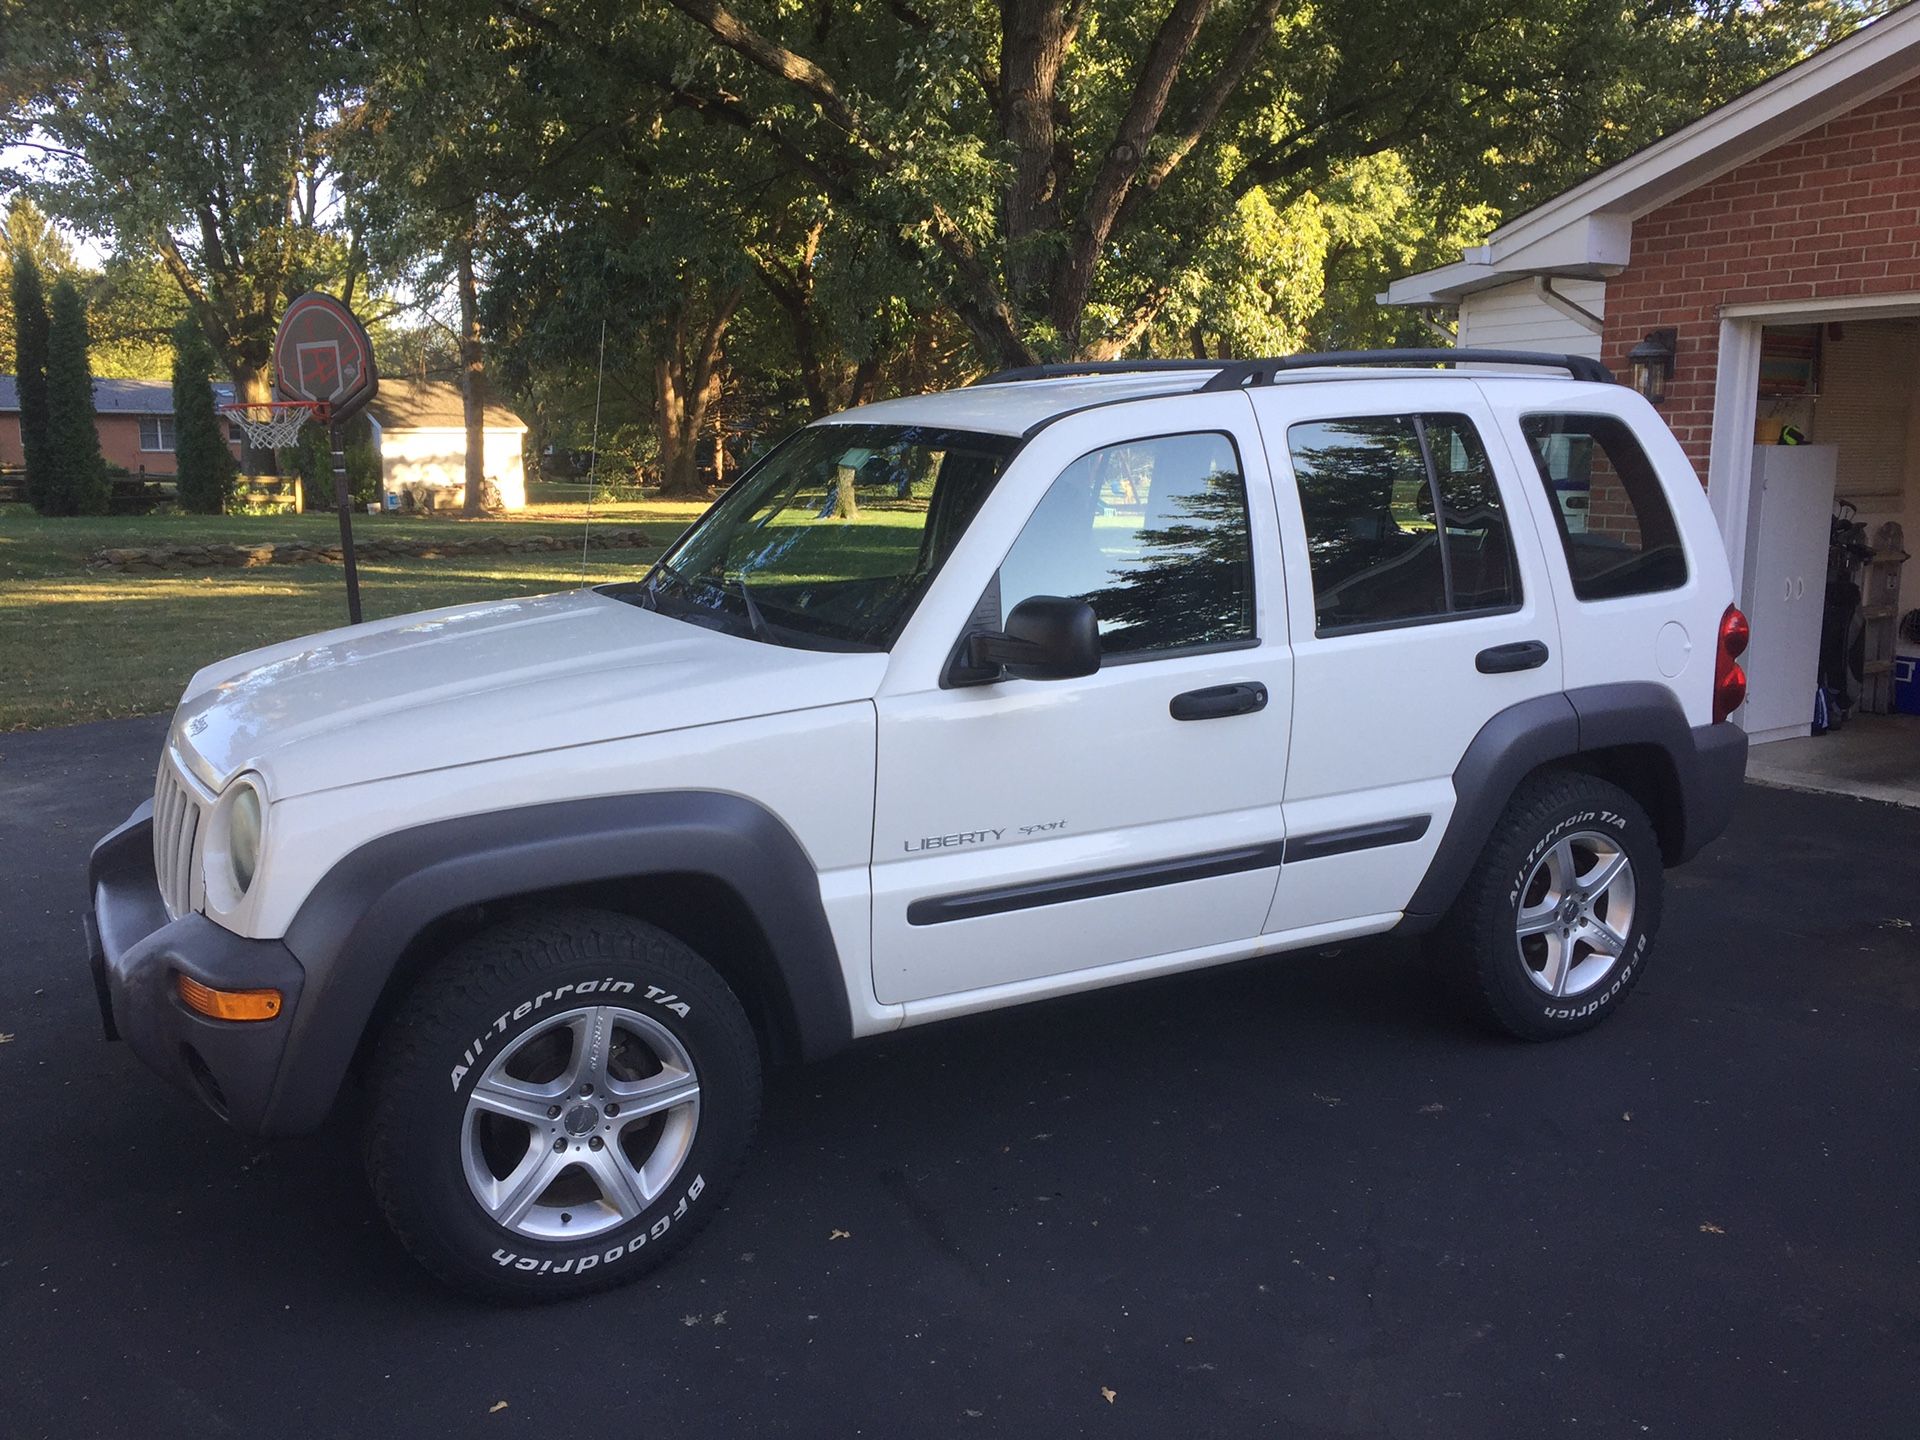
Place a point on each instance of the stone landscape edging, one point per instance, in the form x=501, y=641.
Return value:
x=219, y=555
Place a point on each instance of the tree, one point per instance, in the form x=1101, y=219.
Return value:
x=203, y=461
x=195, y=131
x=133, y=307
x=76, y=475
x=30, y=358
x=636, y=229
x=1056, y=169
x=25, y=230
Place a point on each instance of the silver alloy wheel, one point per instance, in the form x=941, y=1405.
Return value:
x=1576, y=912
x=580, y=1124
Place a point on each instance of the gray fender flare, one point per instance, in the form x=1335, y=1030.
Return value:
x=353, y=929
x=1707, y=765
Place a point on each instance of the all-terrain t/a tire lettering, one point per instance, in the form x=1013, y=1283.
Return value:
x=559, y=1105
x=1555, y=924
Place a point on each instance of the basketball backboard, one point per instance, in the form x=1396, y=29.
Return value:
x=323, y=354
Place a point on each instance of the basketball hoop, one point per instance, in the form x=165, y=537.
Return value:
x=274, y=424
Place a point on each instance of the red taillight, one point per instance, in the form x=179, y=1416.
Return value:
x=1729, y=680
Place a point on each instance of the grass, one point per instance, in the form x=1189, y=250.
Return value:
x=80, y=646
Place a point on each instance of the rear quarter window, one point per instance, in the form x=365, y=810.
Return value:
x=1615, y=524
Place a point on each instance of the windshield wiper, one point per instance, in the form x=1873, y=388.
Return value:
x=650, y=592
x=762, y=631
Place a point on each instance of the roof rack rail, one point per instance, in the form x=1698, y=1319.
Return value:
x=1067, y=368
x=1235, y=374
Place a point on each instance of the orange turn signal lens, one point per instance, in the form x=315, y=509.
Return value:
x=228, y=1004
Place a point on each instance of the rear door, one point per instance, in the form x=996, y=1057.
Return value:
x=1029, y=830
x=1419, y=608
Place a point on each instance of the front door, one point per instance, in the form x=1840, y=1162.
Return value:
x=1027, y=829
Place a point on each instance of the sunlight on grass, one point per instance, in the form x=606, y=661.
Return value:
x=78, y=645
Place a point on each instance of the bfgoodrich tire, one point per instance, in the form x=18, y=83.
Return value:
x=1555, y=925
x=559, y=1105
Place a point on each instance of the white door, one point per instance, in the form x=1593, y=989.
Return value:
x=1419, y=609
x=1025, y=829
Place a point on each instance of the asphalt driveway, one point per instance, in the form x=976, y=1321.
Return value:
x=1294, y=1198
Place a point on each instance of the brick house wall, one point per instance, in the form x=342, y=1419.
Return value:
x=119, y=444
x=1834, y=213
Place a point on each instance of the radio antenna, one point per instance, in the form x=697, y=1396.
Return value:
x=593, y=460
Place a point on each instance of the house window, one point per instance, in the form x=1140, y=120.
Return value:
x=156, y=432
x=1404, y=521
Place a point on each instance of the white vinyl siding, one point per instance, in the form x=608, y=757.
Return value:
x=436, y=459
x=1517, y=317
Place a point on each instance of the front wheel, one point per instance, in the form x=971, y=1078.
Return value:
x=1555, y=924
x=558, y=1106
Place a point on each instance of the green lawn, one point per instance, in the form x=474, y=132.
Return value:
x=81, y=646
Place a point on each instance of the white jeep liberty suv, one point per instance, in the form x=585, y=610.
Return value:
x=1078, y=675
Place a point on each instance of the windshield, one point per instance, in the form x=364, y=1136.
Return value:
x=831, y=540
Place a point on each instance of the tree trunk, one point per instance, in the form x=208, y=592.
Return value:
x=679, y=470
x=846, y=506
x=253, y=383
x=473, y=379
x=687, y=388
x=1032, y=45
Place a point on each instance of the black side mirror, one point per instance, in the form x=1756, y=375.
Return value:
x=1048, y=637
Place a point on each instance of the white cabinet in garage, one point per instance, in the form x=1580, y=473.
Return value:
x=1786, y=582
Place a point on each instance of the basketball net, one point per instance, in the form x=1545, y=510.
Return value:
x=274, y=424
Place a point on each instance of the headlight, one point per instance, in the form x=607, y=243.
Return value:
x=233, y=842
x=243, y=837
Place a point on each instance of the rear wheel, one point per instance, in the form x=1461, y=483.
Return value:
x=1555, y=924
x=558, y=1106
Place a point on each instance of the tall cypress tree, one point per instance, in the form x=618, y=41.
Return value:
x=76, y=472
x=203, y=465
x=30, y=351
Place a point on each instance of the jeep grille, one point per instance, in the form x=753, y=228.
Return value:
x=176, y=822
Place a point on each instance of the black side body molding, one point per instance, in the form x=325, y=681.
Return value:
x=1356, y=837
x=939, y=909
x=352, y=931
x=1705, y=764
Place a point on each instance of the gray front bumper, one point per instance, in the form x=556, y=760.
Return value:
x=135, y=952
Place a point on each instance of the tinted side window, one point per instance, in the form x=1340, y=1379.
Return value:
x=1404, y=521
x=1479, y=551
x=1613, y=517
x=1154, y=535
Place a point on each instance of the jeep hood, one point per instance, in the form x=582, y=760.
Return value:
x=483, y=682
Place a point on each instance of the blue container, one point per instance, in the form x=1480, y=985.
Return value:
x=1906, y=684
x=393, y=500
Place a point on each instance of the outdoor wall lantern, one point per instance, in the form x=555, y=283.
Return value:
x=1652, y=364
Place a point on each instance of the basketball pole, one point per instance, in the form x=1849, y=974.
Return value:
x=343, y=502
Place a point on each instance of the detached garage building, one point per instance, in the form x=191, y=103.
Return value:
x=1763, y=264
x=420, y=430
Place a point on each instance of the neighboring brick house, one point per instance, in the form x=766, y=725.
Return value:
x=134, y=418
x=1773, y=247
